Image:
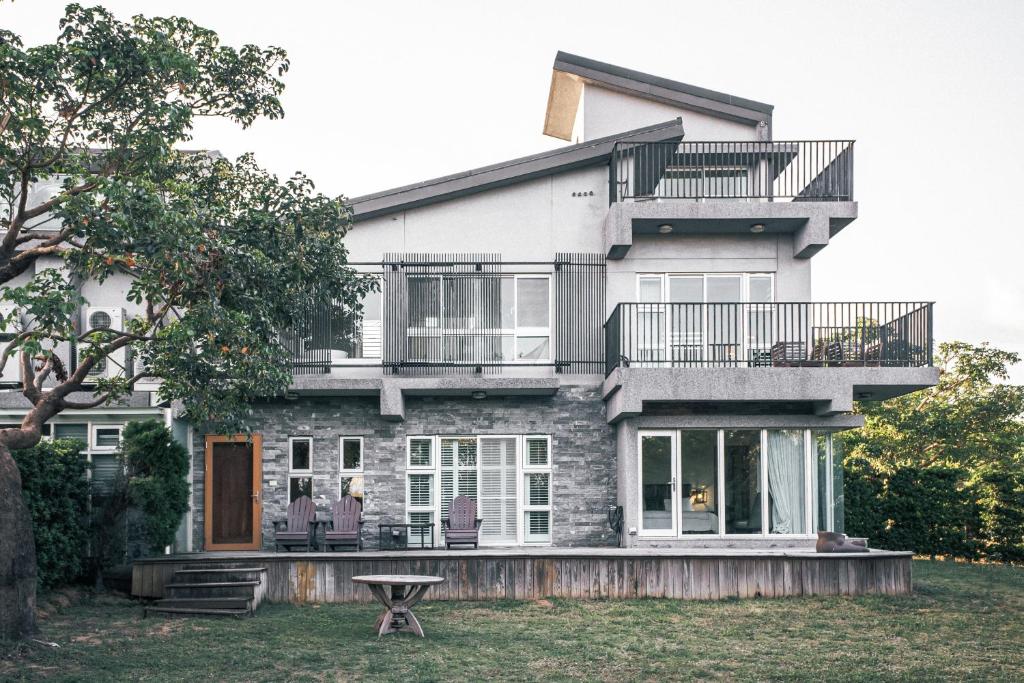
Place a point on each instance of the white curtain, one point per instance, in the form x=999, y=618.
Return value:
x=786, y=480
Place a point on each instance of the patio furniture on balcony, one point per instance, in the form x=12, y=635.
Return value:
x=299, y=528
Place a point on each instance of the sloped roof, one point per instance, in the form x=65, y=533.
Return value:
x=590, y=153
x=572, y=70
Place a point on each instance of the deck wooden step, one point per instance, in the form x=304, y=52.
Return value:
x=198, y=611
x=206, y=603
x=219, y=575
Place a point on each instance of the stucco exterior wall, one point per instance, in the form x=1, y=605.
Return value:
x=528, y=221
x=606, y=112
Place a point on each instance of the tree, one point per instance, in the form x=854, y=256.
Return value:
x=969, y=418
x=217, y=257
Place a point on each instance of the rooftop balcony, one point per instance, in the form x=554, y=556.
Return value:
x=803, y=187
x=800, y=171
x=780, y=357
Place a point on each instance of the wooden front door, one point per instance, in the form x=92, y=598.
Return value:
x=233, y=474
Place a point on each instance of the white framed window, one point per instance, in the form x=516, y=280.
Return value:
x=300, y=467
x=533, y=317
x=351, y=467
x=105, y=437
x=508, y=475
x=447, y=315
x=536, y=496
x=420, y=450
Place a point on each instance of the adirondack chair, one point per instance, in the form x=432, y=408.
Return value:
x=297, y=530
x=462, y=526
x=345, y=524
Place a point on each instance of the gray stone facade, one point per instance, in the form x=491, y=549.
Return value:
x=582, y=453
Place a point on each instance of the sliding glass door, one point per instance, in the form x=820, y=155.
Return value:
x=658, y=482
x=743, y=482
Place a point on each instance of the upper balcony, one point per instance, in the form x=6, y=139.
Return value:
x=803, y=187
x=708, y=357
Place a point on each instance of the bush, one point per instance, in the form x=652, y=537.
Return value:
x=55, y=488
x=999, y=491
x=929, y=511
x=157, y=479
x=863, y=489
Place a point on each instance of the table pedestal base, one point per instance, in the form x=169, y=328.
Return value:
x=398, y=614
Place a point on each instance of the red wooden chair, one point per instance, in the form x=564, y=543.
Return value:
x=345, y=525
x=462, y=526
x=298, y=529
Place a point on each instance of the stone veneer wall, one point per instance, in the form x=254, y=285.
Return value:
x=582, y=449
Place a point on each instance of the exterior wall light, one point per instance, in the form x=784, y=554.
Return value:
x=478, y=395
x=757, y=228
x=665, y=228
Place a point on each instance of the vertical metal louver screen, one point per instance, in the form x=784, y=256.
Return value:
x=579, y=313
x=441, y=312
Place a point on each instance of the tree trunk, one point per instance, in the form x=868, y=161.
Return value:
x=17, y=555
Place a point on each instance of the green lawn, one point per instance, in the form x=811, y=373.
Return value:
x=963, y=622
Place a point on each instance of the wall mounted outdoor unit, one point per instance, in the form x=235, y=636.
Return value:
x=11, y=375
x=116, y=364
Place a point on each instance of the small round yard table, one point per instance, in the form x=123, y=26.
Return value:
x=406, y=591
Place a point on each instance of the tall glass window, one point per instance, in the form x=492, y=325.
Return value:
x=838, y=499
x=656, y=478
x=786, y=481
x=742, y=467
x=698, y=485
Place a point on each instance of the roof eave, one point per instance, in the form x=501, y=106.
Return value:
x=591, y=153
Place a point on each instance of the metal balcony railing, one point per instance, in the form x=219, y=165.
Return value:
x=807, y=170
x=880, y=334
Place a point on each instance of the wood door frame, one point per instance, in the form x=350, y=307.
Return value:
x=257, y=492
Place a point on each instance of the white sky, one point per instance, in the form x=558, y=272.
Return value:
x=382, y=94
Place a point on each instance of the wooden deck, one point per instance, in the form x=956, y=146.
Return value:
x=534, y=573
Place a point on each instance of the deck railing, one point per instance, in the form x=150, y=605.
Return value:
x=804, y=170
x=879, y=334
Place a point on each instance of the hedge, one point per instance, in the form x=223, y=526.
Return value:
x=938, y=509
x=56, y=490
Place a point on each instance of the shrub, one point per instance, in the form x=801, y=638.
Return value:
x=863, y=489
x=54, y=485
x=157, y=481
x=929, y=511
x=998, y=489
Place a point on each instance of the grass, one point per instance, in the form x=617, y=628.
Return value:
x=962, y=622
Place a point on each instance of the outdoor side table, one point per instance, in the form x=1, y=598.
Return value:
x=403, y=536
x=406, y=591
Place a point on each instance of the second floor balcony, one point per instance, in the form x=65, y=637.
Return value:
x=790, y=171
x=764, y=335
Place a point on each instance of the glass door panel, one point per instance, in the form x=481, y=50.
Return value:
x=649, y=331
x=657, y=484
x=723, y=324
x=786, y=476
x=698, y=481
x=686, y=319
x=742, y=470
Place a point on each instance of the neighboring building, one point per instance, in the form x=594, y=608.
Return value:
x=621, y=322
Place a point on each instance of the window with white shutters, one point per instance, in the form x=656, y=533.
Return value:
x=508, y=476
x=537, y=489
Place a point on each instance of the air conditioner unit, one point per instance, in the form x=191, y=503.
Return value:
x=117, y=363
x=11, y=374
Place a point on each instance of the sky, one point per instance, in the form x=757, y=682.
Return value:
x=382, y=94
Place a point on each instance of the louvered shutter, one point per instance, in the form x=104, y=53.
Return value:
x=498, y=489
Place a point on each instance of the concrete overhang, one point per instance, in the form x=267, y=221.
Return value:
x=811, y=223
x=393, y=390
x=829, y=391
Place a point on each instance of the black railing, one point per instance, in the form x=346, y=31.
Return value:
x=464, y=314
x=884, y=334
x=807, y=170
